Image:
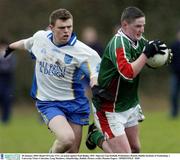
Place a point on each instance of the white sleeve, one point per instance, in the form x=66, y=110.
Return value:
x=28, y=43
x=94, y=65
x=91, y=67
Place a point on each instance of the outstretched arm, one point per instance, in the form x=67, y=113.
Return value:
x=17, y=45
x=23, y=44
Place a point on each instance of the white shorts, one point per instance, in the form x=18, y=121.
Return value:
x=113, y=124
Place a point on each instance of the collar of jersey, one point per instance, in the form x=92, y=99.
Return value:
x=134, y=44
x=122, y=33
x=71, y=42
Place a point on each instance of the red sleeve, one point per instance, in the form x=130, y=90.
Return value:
x=124, y=66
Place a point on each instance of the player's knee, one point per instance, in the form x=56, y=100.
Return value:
x=66, y=141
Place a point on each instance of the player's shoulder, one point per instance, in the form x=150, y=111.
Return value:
x=115, y=42
x=42, y=33
x=85, y=48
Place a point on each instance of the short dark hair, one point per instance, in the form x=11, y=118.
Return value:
x=131, y=13
x=61, y=13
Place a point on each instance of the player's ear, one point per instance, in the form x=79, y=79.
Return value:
x=51, y=27
x=124, y=23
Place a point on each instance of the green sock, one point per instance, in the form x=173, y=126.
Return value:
x=96, y=137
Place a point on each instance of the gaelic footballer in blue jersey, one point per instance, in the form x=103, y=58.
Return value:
x=61, y=63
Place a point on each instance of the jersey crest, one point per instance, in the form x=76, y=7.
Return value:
x=68, y=59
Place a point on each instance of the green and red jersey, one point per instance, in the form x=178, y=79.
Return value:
x=116, y=73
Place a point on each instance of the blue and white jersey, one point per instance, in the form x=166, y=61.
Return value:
x=59, y=69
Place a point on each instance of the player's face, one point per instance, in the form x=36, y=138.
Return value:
x=135, y=29
x=62, y=30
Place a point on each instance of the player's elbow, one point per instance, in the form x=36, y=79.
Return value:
x=135, y=74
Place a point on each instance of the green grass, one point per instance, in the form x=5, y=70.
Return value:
x=26, y=134
x=159, y=133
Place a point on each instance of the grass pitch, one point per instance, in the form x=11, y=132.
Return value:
x=27, y=134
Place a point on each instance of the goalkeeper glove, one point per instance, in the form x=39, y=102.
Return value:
x=8, y=51
x=154, y=47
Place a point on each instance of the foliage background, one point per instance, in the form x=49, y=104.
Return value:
x=21, y=18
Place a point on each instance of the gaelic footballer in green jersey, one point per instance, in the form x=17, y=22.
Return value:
x=116, y=74
x=116, y=102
